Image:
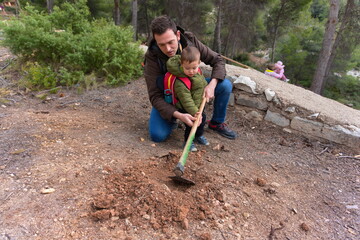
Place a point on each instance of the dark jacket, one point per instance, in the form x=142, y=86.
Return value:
x=155, y=66
x=189, y=99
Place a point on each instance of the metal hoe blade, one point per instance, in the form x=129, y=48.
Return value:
x=181, y=180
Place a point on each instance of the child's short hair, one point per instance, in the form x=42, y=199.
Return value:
x=190, y=54
x=271, y=66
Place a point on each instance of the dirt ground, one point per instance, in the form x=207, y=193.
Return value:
x=81, y=166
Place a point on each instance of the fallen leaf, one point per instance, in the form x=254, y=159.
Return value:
x=18, y=151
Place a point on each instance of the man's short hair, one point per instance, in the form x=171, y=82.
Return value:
x=190, y=54
x=161, y=24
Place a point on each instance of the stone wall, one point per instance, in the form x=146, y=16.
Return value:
x=262, y=98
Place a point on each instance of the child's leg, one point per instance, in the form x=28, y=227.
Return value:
x=187, y=132
x=200, y=129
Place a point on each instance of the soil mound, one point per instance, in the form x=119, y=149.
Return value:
x=145, y=196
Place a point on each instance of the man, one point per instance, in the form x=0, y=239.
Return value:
x=169, y=40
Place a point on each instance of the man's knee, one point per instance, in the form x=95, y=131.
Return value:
x=158, y=137
x=225, y=87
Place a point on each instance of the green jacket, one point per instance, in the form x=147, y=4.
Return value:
x=189, y=100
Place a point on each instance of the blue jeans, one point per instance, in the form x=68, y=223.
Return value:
x=160, y=129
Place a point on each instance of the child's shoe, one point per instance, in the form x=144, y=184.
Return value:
x=192, y=147
x=202, y=140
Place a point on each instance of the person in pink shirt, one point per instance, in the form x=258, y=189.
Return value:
x=277, y=71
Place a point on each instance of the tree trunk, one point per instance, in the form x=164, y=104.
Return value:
x=217, y=35
x=117, y=12
x=276, y=29
x=147, y=21
x=17, y=9
x=339, y=37
x=134, y=17
x=49, y=5
x=327, y=45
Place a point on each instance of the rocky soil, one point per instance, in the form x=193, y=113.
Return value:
x=81, y=166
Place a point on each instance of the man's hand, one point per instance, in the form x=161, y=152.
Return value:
x=185, y=118
x=210, y=89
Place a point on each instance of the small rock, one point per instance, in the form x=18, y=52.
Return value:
x=294, y=210
x=47, y=190
x=313, y=116
x=217, y=147
x=202, y=216
x=275, y=184
x=352, y=207
x=100, y=215
x=269, y=94
x=270, y=190
x=261, y=182
x=290, y=109
x=146, y=216
x=305, y=227
x=287, y=130
x=205, y=236
x=185, y=224
x=246, y=215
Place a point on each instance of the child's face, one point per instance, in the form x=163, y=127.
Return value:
x=190, y=68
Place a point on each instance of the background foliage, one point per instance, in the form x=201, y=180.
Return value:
x=65, y=46
x=290, y=31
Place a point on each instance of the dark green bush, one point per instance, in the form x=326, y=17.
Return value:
x=70, y=46
x=344, y=90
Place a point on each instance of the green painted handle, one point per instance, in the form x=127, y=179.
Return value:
x=191, y=137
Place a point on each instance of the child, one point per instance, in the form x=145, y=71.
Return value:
x=189, y=100
x=279, y=68
x=277, y=71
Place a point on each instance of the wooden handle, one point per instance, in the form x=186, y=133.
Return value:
x=240, y=64
x=192, y=134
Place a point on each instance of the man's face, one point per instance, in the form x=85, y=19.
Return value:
x=168, y=42
x=190, y=68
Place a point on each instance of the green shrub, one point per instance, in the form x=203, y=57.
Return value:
x=70, y=46
x=39, y=77
x=344, y=90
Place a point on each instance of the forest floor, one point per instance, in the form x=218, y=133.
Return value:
x=81, y=166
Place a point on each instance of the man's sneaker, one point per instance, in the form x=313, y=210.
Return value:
x=202, y=140
x=223, y=130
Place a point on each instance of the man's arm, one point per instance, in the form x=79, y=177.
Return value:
x=156, y=95
x=210, y=89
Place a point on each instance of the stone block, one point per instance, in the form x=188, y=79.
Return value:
x=232, y=99
x=252, y=101
x=277, y=119
x=342, y=135
x=307, y=126
x=246, y=84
